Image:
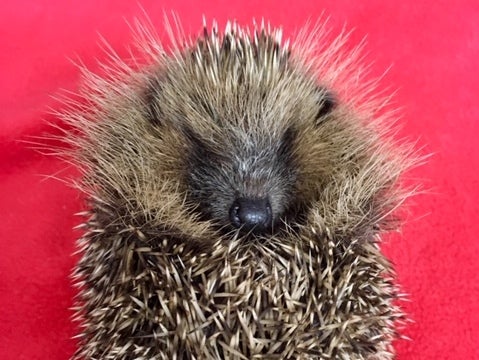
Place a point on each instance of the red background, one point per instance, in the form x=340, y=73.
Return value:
x=434, y=49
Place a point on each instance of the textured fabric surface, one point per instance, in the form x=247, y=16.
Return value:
x=433, y=47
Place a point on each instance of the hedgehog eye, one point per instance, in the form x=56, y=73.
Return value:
x=327, y=102
x=152, y=108
x=286, y=147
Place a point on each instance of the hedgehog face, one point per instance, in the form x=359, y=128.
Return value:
x=240, y=168
x=241, y=122
x=236, y=133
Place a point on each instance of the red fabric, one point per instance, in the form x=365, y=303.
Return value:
x=433, y=46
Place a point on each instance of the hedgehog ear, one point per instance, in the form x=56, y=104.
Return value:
x=327, y=103
x=152, y=107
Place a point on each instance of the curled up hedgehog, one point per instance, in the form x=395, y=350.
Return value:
x=238, y=187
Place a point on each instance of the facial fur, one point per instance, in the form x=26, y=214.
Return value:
x=246, y=131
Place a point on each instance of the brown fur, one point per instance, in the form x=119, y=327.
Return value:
x=165, y=149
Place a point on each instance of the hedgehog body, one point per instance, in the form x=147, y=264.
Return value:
x=236, y=203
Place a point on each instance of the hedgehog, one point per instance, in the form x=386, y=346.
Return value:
x=238, y=186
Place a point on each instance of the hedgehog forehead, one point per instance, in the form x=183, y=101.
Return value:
x=241, y=142
x=258, y=106
x=236, y=81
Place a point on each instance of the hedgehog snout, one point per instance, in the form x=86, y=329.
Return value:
x=251, y=214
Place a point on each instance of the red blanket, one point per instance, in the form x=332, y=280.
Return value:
x=434, y=49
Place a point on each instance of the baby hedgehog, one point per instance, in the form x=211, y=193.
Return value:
x=237, y=191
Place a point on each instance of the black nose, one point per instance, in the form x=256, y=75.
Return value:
x=251, y=214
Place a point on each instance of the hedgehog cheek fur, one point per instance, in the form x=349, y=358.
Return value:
x=236, y=205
